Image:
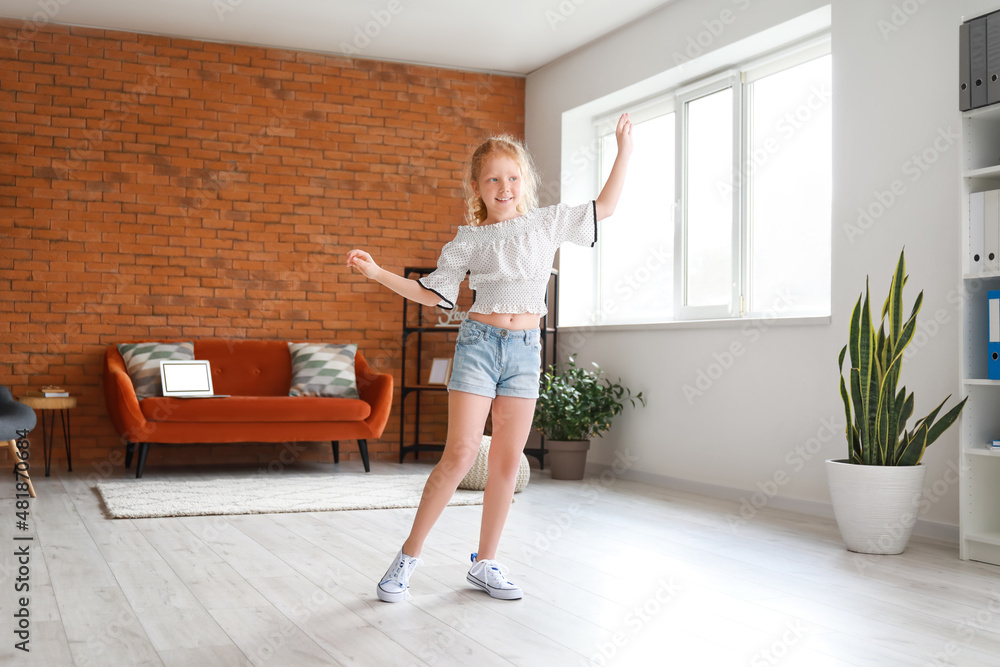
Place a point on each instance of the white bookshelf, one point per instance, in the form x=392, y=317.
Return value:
x=979, y=467
x=981, y=451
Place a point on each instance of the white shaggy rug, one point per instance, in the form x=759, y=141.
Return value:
x=139, y=498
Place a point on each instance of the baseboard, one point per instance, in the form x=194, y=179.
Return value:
x=934, y=530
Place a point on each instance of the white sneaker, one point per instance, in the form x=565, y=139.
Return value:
x=395, y=584
x=491, y=576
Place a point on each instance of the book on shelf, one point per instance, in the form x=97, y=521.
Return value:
x=49, y=391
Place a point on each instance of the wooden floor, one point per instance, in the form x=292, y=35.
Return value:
x=614, y=573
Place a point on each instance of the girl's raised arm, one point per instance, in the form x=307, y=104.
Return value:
x=608, y=199
x=411, y=289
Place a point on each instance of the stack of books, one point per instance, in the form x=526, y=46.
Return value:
x=49, y=391
x=994, y=446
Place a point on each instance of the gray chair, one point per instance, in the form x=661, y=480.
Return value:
x=16, y=419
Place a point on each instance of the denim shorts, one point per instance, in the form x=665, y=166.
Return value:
x=491, y=361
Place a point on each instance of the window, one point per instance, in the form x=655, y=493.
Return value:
x=707, y=203
x=726, y=210
x=789, y=169
x=636, y=281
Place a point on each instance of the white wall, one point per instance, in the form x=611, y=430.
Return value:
x=895, y=97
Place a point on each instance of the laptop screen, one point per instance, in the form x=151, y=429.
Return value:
x=186, y=378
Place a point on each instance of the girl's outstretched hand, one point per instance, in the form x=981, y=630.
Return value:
x=363, y=262
x=623, y=133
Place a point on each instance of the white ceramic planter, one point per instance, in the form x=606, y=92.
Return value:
x=875, y=506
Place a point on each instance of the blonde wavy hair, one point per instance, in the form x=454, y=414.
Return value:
x=509, y=146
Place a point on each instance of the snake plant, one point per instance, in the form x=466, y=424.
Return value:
x=877, y=431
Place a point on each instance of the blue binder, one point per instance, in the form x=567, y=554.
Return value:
x=993, y=342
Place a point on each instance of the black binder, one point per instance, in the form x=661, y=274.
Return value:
x=964, y=89
x=993, y=58
x=977, y=61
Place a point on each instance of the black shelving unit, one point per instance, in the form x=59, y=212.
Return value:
x=549, y=340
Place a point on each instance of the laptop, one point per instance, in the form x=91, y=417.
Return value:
x=188, y=379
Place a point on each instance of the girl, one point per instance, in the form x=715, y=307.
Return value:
x=507, y=247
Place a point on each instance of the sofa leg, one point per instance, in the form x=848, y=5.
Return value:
x=129, y=451
x=336, y=450
x=141, y=463
x=363, y=446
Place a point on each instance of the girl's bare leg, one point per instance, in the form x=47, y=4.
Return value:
x=511, y=425
x=466, y=418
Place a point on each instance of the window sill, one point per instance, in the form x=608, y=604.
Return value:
x=756, y=322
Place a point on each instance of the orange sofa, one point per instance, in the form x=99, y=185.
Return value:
x=257, y=375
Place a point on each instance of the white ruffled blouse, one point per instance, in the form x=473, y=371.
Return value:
x=509, y=262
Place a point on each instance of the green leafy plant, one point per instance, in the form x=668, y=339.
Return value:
x=877, y=430
x=578, y=403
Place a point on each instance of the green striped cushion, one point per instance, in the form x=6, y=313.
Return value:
x=143, y=363
x=323, y=369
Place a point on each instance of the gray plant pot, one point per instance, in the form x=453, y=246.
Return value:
x=567, y=458
x=875, y=506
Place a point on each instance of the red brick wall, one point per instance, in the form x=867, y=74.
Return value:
x=168, y=188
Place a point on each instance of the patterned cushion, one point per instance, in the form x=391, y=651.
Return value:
x=142, y=360
x=477, y=475
x=323, y=370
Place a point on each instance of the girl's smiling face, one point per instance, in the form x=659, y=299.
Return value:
x=499, y=186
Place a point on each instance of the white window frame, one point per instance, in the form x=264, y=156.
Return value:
x=660, y=105
x=738, y=78
x=755, y=70
x=686, y=95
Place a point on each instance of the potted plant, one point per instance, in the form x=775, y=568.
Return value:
x=573, y=406
x=876, y=491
